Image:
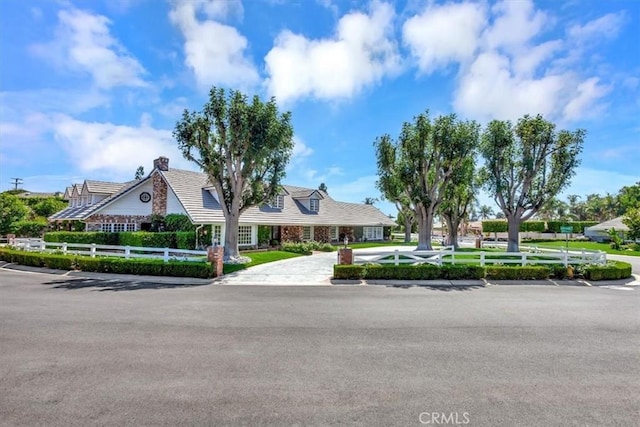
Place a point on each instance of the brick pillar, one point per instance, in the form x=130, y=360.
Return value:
x=345, y=256
x=215, y=255
x=159, y=201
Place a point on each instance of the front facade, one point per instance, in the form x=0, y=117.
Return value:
x=297, y=214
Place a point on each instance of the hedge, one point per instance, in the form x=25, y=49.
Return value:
x=185, y=240
x=87, y=237
x=149, y=267
x=147, y=239
x=407, y=272
x=578, y=226
x=613, y=270
x=517, y=273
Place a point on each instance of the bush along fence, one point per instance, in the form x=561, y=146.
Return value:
x=151, y=267
x=442, y=264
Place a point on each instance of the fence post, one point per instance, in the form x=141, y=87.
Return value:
x=524, y=259
x=482, y=259
x=93, y=250
x=166, y=254
x=396, y=257
x=64, y=248
x=566, y=259
x=127, y=252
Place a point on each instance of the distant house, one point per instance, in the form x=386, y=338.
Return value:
x=296, y=214
x=600, y=232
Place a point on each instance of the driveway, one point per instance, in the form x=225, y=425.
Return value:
x=316, y=269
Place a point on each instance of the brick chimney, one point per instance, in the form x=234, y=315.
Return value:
x=161, y=163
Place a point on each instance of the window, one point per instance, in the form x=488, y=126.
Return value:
x=306, y=233
x=216, y=234
x=278, y=202
x=244, y=235
x=117, y=228
x=372, y=233
x=334, y=233
x=314, y=205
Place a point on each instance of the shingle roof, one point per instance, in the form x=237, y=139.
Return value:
x=191, y=189
x=103, y=187
x=615, y=223
x=83, y=212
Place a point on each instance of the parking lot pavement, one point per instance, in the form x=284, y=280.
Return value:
x=79, y=351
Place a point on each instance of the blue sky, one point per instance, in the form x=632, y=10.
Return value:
x=93, y=89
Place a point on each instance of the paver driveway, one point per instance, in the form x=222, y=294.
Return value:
x=316, y=269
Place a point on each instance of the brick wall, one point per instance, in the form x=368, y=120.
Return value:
x=322, y=234
x=291, y=233
x=159, y=206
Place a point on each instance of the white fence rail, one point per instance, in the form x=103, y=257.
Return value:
x=448, y=256
x=127, y=252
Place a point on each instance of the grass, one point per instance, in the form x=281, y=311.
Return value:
x=605, y=247
x=258, y=258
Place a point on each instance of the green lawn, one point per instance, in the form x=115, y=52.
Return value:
x=258, y=258
x=605, y=247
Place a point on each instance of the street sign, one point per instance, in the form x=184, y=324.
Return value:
x=566, y=229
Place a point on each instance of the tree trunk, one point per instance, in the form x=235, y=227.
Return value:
x=407, y=228
x=231, y=249
x=513, y=228
x=425, y=225
x=452, y=239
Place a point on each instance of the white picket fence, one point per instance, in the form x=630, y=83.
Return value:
x=448, y=256
x=127, y=252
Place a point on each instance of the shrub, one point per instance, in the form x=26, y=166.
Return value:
x=613, y=270
x=29, y=228
x=462, y=272
x=148, y=239
x=517, y=273
x=297, y=247
x=178, y=222
x=38, y=259
x=185, y=239
x=86, y=237
x=494, y=226
x=348, y=272
x=264, y=235
x=559, y=272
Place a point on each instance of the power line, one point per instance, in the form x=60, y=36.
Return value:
x=16, y=182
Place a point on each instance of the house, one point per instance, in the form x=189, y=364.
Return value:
x=600, y=232
x=296, y=214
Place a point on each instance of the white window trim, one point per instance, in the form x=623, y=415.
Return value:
x=373, y=233
x=315, y=208
x=310, y=229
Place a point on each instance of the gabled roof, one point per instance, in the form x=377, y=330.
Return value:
x=75, y=190
x=67, y=193
x=83, y=212
x=103, y=187
x=191, y=189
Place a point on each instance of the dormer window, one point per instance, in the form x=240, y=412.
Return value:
x=314, y=205
x=277, y=202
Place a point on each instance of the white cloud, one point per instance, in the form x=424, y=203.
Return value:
x=215, y=52
x=588, y=92
x=83, y=43
x=606, y=27
x=360, y=54
x=504, y=71
x=117, y=149
x=444, y=34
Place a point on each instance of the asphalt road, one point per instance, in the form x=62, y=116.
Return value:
x=90, y=352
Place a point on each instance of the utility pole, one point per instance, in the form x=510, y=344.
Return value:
x=16, y=182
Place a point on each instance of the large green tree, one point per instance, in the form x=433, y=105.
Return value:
x=243, y=146
x=419, y=164
x=460, y=189
x=527, y=165
x=12, y=210
x=632, y=220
